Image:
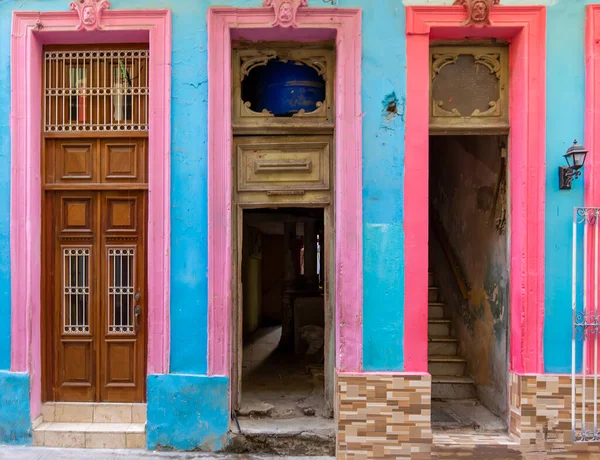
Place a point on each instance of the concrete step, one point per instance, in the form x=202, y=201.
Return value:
x=437, y=310
x=447, y=346
x=90, y=435
x=69, y=412
x=452, y=387
x=302, y=436
x=433, y=294
x=446, y=365
x=439, y=327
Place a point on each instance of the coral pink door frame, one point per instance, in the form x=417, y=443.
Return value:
x=525, y=28
x=30, y=31
x=312, y=23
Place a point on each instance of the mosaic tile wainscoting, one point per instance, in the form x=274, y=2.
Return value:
x=540, y=416
x=384, y=416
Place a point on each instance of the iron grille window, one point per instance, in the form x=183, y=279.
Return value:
x=103, y=90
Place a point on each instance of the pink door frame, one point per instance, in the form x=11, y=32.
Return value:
x=592, y=109
x=30, y=31
x=312, y=23
x=525, y=28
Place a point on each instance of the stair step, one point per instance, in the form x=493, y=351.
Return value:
x=439, y=327
x=70, y=412
x=90, y=435
x=436, y=310
x=447, y=346
x=285, y=437
x=433, y=294
x=452, y=387
x=446, y=365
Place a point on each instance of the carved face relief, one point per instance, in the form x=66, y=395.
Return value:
x=286, y=13
x=89, y=15
x=480, y=12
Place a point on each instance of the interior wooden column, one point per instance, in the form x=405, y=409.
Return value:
x=310, y=253
x=289, y=283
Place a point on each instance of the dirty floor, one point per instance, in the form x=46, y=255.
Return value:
x=464, y=415
x=277, y=384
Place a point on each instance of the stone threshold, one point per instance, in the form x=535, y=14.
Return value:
x=90, y=435
x=82, y=412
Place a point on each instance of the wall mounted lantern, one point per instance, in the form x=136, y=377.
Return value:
x=575, y=157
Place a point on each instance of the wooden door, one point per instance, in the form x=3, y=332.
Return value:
x=98, y=301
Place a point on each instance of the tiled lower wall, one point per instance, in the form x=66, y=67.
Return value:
x=540, y=416
x=384, y=416
x=389, y=416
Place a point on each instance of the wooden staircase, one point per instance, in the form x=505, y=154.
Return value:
x=447, y=369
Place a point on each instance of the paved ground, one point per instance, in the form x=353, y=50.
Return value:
x=46, y=453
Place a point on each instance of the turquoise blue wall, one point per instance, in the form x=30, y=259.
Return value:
x=4, y=189
x=384, y=82
x=187, y=412
x=565, y=122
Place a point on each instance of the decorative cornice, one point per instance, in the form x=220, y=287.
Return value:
x=478, y=11
x=90, y=13
x=285, y=11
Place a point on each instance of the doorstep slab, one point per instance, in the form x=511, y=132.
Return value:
x=90, y=435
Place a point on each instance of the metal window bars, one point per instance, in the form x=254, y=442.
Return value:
x=586, y=326
x=76, y=290
x=121, y=290
x=96, y=90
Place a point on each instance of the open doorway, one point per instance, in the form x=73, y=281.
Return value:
x=468, y=282
x=282, y=318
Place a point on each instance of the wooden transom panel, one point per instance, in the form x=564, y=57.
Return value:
x=277, y=163
x=95, y=161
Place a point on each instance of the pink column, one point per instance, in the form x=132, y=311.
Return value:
x=525, y=28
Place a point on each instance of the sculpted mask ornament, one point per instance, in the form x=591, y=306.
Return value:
x=90, y=13
x=285, y=11
x=478, y=11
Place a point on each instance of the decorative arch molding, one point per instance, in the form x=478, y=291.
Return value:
x=525, y=28
x=311, y=24
x=30, y=31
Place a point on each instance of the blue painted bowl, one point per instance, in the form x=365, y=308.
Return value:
x=285, y=88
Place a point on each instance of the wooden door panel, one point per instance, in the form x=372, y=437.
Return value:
x=121, y=214
x=123, y=161
x=123, y=297
x=76, y=212
x=120, y=363
x=71, y=161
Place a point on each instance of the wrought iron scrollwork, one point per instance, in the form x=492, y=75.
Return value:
x=586, y=325
x=588, y=216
